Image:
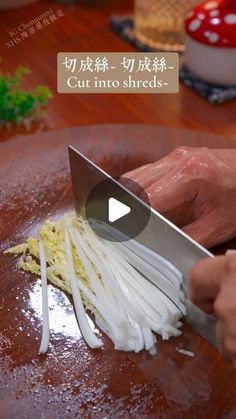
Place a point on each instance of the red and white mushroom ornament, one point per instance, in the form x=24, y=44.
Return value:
x=211, y=41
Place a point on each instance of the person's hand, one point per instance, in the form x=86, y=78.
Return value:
x=203, y=177
x=212, y=287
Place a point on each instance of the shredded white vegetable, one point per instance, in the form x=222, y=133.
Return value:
x=88, y=334
x=45, y=312
x=185, y=352
x=133, y=293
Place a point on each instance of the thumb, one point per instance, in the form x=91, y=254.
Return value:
x=204, y=282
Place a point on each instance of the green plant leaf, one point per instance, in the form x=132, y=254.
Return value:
x=16, y=104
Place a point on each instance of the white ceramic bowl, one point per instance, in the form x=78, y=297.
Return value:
x=212, y=64
x=14, y=4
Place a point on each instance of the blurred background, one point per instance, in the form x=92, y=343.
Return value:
x=32, y=32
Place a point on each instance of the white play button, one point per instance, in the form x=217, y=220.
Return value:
x=109, y=208
x=117, y=210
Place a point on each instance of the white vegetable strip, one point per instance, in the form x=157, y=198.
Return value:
x=117, y=329
x=118, y=335
x=152, y=258
x=185, y=352
x=111, y=283
x=139, y=305
x=146, y=311
x=150, y=291
x=145, y=304
x=132, y=292
x=153, y=274
x=174, y=312
x=118, y=285
x=155, y=260
x=157, y=270
x=132, y=310
x=43, y=269
x=156, y=265
x=88, y=334
x=157, y=279
x=95, y=281
x=149, y=337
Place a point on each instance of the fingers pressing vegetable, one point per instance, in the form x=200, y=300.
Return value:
x=206, y=179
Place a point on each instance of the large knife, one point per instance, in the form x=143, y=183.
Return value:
x=159, y=235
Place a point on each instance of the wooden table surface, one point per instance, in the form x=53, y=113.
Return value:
x=73, y=380
x=86, y=28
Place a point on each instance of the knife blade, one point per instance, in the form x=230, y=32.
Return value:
x=159, y=235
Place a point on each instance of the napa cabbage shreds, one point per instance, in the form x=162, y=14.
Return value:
x=19, y=249
x=52, y=234
x=30, y=265
x=109, y=279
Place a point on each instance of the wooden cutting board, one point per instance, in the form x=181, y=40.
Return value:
x=73, y=380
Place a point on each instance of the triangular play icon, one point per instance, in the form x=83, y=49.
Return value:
x=117, y=210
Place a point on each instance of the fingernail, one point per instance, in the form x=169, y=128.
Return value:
x=230, y=252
